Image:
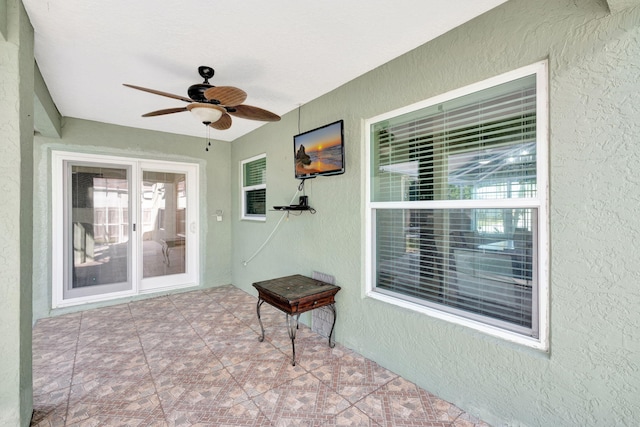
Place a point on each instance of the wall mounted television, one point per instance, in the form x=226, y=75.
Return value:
x=320, y=151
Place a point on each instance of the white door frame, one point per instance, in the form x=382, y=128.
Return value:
x=138, y=286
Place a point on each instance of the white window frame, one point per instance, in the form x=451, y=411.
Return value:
x=540, y=69
x=245, y=189
x=140, y=285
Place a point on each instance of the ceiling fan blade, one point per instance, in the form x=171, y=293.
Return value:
x=157, y=92
x=223, y=123
x=165, y=111
x=227, y=95
x=254, y=113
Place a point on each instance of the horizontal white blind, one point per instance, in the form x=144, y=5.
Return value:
x=256, y=202
x=479, y=263
x=432, y=257
x=459, y=149
x=254, y=172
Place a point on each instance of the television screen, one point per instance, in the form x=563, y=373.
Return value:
x=320, y=151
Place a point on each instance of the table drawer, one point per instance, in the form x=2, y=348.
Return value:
x=311, y=303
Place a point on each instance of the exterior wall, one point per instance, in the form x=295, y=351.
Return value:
x=591, y=373
x=16, y=169
x=99, y=138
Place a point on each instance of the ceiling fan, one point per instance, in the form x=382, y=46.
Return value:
x=212, y=105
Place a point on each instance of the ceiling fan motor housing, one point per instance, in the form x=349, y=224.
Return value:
x=196, y=92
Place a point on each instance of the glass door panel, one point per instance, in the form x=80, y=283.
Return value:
x=98, y=246
x=164, y=217
x=122, y=226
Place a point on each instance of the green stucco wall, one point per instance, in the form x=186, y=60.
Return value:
x=100, y=138
x=591, y=374
x=16, y=171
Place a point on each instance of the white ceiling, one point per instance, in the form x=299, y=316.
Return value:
x=283, y=53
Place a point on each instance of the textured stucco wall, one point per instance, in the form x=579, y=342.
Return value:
x=591, y=374
x=16, y=169
x=92, y=137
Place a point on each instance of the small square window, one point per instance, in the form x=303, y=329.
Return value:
x=254, y=188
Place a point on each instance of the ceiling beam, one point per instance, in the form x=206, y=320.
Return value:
x=46, y=118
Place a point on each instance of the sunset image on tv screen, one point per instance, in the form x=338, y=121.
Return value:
x=319, y=151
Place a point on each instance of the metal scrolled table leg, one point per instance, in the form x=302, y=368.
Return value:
x=333, y=309
x=292, y=334
x=261, y=337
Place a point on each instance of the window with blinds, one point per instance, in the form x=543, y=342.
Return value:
x=455, y=204
x=254, y=188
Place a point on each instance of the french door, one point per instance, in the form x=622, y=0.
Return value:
x=122, y=227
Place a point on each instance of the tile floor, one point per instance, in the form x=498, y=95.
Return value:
x=193, y=359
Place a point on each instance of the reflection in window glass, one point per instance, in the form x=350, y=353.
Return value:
x=99, y=231
x=455, y=204
x=436, y=257
x=163, y=202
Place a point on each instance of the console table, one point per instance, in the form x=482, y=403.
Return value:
x=295, y=295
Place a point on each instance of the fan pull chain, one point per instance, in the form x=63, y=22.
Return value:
x=208, y=144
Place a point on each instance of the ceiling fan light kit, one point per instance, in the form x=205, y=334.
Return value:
x=206, y=113
x=212, y=105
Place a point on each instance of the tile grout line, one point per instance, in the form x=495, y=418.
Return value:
x=73, y=369
x=247, y=325
x=146, y=361
x=326, y=384
x=234, y=307
x=249, y=398
x=52, y=410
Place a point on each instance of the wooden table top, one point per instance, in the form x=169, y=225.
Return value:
x=292, y=293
